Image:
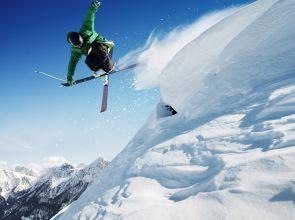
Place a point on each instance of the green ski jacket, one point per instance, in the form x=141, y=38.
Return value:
x=87, y=32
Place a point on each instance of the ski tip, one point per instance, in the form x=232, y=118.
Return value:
x=68, y=85
x=103, y=108
x=102, y=111
x=65, y=85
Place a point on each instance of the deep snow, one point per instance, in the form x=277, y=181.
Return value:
x=229, y=153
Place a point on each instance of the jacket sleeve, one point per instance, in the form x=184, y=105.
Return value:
x=88, y=24
x=75, y=57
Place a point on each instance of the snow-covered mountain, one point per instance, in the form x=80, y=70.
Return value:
x=14, y=181
x=229, y=153
x=50, y=192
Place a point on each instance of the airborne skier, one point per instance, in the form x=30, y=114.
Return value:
x=97, y=49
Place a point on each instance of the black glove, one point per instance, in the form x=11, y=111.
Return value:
x=96, y=3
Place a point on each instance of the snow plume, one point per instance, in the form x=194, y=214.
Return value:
x=158, y=51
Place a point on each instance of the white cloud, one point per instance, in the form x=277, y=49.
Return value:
x=3, y=165
x=34, y=167
x=159, y=51
x=37, y=169
x=53, y=161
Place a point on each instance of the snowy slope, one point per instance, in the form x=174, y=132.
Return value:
x=229, y=153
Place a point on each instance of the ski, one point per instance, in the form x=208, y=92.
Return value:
x=95, y=76
x=106, y=75
x=104, y=103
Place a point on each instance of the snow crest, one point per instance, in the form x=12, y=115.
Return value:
x=238, y=57
x=229, y=153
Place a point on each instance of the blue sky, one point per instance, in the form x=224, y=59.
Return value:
x=38, y=118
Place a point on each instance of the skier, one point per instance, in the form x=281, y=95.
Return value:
x=97, y=49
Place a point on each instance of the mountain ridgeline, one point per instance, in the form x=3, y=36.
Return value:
x=47, y=194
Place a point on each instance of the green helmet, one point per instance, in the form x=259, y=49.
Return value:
x=75, y=39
